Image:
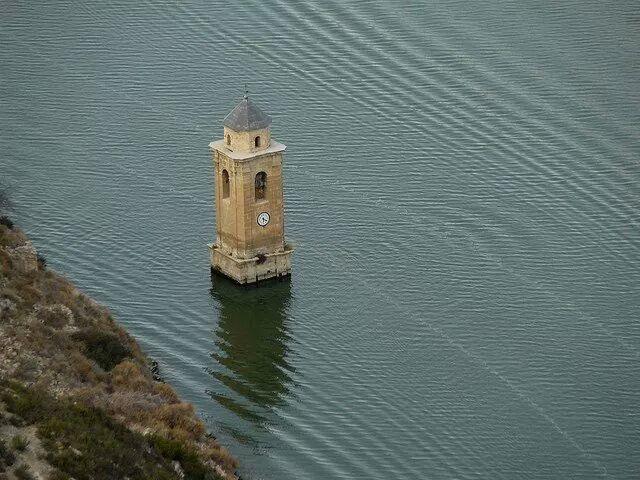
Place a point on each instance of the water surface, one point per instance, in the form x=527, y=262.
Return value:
x=462, y=185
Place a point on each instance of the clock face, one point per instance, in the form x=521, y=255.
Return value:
x=263, y=219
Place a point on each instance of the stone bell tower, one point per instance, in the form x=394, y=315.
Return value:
x=247, y=163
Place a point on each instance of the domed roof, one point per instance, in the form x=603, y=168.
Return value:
x=246, y=116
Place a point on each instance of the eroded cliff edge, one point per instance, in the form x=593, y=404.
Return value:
x=78, y=398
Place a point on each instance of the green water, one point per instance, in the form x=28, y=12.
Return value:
x=462, y=187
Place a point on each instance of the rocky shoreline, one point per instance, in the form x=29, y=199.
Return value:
x=78, y=397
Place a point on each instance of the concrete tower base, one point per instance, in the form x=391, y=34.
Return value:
x=251, y=270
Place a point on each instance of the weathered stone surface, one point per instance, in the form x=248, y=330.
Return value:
x=245, y=142
x=253, y=269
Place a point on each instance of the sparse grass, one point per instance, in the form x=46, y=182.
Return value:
x=68, y=344
x=85, y=443
x=19, y=443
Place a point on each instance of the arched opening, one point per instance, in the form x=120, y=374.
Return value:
x=228, y=139
x=256, y=141
x=225, y=184
x=261, y=185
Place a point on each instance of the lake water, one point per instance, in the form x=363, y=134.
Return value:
x=462, y=183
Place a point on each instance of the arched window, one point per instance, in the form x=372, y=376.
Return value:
x=256, y=141
x=225, y=184
x=228, y=139
x=261, y=185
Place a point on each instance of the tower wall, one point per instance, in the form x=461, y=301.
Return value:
x=229, y=213
x=236, y=221
x=245, y=250
x=245, y=141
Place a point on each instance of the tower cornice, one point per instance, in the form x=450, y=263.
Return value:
x=220, y=146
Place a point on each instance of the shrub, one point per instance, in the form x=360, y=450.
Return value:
x=83, y=368
x=85, y=312
x=179, y=418
x=58, y=475
x=128, y=376
x=42, y=261
x=166, y=392
x=6, y=221
x=55, y=289
x=30, y=406
x=7, y=457
x=107, y=448
x=11, y=294
x=11, y=238
x=221, y=455
x=28, y=368
x=16, y=421
x=191, y=464
x=106, y=349
x=23, y=473
x=56, y=316
x=131, y=405
x=19, y=443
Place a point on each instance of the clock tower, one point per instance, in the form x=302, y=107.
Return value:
x=247, y=164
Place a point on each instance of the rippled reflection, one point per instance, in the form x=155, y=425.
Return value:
x=252, y=348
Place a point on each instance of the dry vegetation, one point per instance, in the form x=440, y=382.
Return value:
x=77, y=363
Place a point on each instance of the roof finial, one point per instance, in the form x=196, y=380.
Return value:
x=246, y=92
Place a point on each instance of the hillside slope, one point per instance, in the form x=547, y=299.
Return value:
x=78, y=396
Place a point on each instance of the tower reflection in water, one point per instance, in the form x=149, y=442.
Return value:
x=252, y=348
